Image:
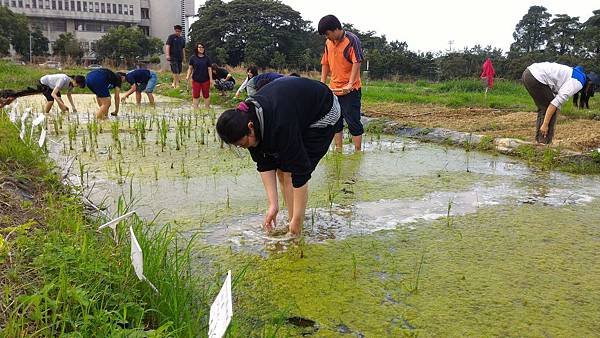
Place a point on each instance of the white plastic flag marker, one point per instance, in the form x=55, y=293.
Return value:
x=113, y=224
x=22, y=133
x=137, y=259
x=42, y=139
x=39, y=119
x=14, y=111
x=23, y=126
x=221, y=310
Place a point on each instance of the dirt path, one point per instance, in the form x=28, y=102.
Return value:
x=574, y=134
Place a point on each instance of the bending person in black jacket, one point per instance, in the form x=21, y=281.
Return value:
x=288, y=125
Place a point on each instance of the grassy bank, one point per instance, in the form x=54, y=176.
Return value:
x=59, y=275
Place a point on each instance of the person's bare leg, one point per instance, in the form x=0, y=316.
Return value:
x=300, y=201
x=285, y=182
x=48, y=106
x=357, y=140
x=338, y=140
x=138, y=98
x=207, y=103
x=195, y=102
x=151, y=99
x=176, y=80
x=104, y=103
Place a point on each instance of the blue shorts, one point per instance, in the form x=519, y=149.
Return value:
x=96, y=83
x=148, y=87
x=350, y=106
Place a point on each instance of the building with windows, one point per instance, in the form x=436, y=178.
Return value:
x=89, y=20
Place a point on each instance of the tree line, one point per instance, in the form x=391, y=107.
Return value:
x=270, y=34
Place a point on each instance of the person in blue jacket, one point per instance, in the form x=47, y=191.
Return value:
x=100, y=82
x=141, y=80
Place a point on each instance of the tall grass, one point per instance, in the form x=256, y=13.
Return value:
x=61, y=277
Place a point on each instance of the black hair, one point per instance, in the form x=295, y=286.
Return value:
x=232, y=124
x=329, y=23
x=79, y=80
x=121, y=74
x=196, y=48
x=253, y=70
x=295, y=74
x=178, y=27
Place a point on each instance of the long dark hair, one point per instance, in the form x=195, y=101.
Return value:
x=232, y=125
x=252, y=70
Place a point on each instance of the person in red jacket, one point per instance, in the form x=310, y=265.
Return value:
x=488, y=74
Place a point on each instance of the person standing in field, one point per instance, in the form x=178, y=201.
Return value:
x=200, y=73
x=175, y=51
x=487, y=74
x=342, y=57
x=141, y=80
x=550, y=85
x=100, y=82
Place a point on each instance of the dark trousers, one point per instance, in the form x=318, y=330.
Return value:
x=542, y=96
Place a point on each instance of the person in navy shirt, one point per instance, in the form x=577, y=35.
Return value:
x=200, y=74
x=100, y=82
x=141, y=80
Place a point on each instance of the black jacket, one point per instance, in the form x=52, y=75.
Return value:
x=290, y=105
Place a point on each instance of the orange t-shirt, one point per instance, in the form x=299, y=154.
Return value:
x=337, y=55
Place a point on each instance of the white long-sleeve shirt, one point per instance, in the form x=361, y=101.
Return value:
x=559, y=78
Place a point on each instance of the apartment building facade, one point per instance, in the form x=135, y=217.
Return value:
x=90, y=20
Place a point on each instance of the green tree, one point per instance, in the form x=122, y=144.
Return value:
x=561, y=34
x=126, y=43
x=589, y=40
x=532, y=30
x=67, y=46
x=278, y=61
x=14, y=30
x=39, y=43
x=251, y=30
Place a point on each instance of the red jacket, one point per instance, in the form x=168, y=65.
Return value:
x=488, y=72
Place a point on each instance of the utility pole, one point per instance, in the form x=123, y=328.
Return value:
x=450, y=43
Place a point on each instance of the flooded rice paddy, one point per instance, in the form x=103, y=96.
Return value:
x=406, y=238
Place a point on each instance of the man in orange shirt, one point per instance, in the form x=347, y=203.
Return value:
x=341, y=58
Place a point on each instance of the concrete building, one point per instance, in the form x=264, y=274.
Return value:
x=89, y=20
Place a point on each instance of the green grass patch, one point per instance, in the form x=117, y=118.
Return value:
x=60, y=277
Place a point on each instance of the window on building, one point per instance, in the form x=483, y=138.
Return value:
x=57, y=26
x=53, y=4
x=66, y=5
x=91, y=6
x=131, y=10
x=13, y=3
x=33, y=3
x=93, y=27
x=60, y=5
x=120, y=9
x=84, y=6
x=79, y=6
x=97, y=6
x=20, y=3
x=146, y=30
x=145, y=12
x=108, y=8
x=27, y=5
x=47, y=4
x=114, y=8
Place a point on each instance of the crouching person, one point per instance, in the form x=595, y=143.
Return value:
x=141, y=80
x=52, y=84
x=100, y=82
x=288, y=126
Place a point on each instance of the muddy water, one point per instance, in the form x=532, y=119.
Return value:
x=404, y=239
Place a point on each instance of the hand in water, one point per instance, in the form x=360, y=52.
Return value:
x=270, y=221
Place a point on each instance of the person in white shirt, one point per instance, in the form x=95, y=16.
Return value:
x=52, y=84
x=550, y=85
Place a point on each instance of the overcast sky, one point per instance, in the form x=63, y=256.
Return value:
x=428, y=25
